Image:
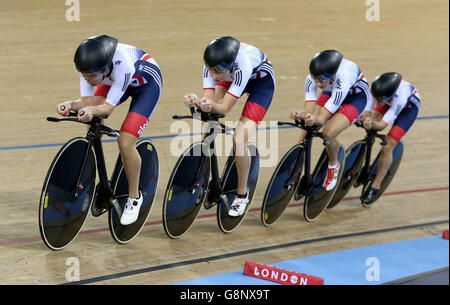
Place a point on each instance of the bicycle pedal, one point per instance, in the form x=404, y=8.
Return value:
x=207, y=205
x=298, y=196
x=96, y=211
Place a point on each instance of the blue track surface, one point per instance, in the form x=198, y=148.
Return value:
x=370, y=265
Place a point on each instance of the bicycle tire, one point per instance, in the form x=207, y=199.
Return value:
x=61, y=214
x=148, y=181
x=229, y=179
x=181, y=206
x=282, y=185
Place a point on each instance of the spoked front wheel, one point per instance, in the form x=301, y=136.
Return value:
x=67, y=194
x=229, y=185
x=148, y=183
x=282, y=185
x=185, y=191
x=318, y=198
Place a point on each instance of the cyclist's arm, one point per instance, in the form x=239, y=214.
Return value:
x=379, y=125
x=225, y=105
x=219, y=94
x=377, y=121
x=87, y=96
x=216, y=94
x=102, y=109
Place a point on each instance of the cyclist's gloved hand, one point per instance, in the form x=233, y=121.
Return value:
x=63, y=109
x=297, y=114
x=190, y=99
x=310, y=119
x=204, y=105
x=85, y=114
x=368, y=123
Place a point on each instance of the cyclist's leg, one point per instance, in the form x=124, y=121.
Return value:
x=244, y=130
x=385, y=161
x=141, y=108
x=401, y=126
x=334, y=126
x=127, y=143
x=347, y=114
x=261, y=91
x=131, y=161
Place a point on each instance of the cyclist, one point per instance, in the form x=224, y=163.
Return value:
x=397, y=102
x=118, y=71
x=231, y=69
x=342, y=101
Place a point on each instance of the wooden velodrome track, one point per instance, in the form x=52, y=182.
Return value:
x=36, y=51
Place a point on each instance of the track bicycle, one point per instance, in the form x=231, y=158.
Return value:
x=359, y=170
x=70, y=192
x=189, y=185
x=287, y=180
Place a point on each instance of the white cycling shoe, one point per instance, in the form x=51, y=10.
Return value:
x=238, y=206
x=131, y=212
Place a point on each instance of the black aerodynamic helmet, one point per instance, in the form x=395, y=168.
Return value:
x=325, y=64
x=385, y=85
x=221, y=53
x=95, y=54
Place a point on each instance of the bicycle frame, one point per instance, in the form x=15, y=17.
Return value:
x=215, y=192
x=369, y=139
x=306, y=144
x=93, y=137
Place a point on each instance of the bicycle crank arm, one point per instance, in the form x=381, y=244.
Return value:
x=225, y=200
x=116, y=206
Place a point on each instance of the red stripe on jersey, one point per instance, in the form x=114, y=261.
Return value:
x=328, y=110
x=102, y=90
x=323, y=98
x=146, y=56
x=254, y=112
x=226, y=84
x=236, y=97
x=381, y=109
